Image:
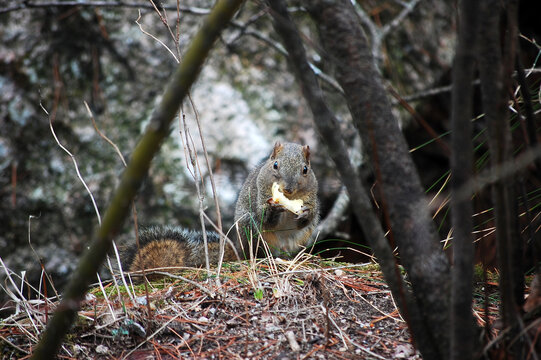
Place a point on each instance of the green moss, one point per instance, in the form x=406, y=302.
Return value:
x=478, y=275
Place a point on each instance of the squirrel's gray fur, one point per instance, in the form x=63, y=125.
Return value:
x=283, y=231
x=256, y=215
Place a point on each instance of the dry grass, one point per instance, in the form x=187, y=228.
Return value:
x=303, y=308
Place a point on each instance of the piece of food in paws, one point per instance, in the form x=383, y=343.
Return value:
x=295, y=206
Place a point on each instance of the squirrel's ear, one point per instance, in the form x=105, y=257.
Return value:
x=277, y=148
x=306, y=151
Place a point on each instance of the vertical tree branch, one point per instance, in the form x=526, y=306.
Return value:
x=510, y=55
x=462, y=324
x=133, y=175
x=411, y=225
x=495, y=70
x=327, y=126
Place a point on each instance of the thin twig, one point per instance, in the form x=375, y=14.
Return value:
x=213, y=186
x=163, y=18
x=329, y=80
x=151, y=336
x=155, y=38
x=74, y=164
x=111, y=4
x=225, y=236
x=103, y=136
x=366, y=350
x=210, y=293
x=447, y=88
x=14, y=346
x=345, y=339
x=115, y=249
x=393, y=24
x=105, y=297
x=20, y=300
x=198, y=181
x=157, y=129
x=498, y=172
x=378, y=34
x=421, y=121
x=30, y=217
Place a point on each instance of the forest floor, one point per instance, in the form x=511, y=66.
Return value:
x=302, y=309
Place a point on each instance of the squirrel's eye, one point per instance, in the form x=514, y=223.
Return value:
x=305, y=170
x=275, y=165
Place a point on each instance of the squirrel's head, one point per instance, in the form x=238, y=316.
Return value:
x=289, y=165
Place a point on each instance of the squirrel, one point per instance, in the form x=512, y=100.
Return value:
x=257, y=216
x=256, y=213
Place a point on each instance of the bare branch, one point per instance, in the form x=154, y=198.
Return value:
x=335, y=216
x=408, y=8
x=447, y=88
x=110, y=4
x=74, y=164
x=497, y=56
x=278, y=47
x=326, y=124
x=404, y=207
x=378, y=34
x=115, y=249
x=148, y=146
x=462, y=333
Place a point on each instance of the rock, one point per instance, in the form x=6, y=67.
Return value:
x=102, y=350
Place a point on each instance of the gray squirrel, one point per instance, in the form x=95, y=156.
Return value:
x=257, y=215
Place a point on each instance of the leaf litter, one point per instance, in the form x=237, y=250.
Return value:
x=319, y=310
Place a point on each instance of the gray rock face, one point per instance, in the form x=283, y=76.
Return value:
x=60, y=57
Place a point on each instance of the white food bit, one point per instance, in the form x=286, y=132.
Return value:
x=278, y=197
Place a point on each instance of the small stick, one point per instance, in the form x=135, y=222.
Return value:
x=290, y=336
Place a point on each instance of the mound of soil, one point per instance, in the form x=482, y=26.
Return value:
x=278, y=310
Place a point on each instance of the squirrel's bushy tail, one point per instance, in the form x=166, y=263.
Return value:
x=172, y=246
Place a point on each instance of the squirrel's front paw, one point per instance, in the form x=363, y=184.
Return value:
x=275, y=207
x=303, y=217
x=273, y=213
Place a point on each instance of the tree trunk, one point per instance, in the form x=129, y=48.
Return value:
x=327, y=126
x=462, y=324
x=402, y=194
x=495, y=67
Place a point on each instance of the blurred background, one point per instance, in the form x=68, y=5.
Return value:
x=57, y=55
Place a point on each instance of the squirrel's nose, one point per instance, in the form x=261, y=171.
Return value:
x=288, y=190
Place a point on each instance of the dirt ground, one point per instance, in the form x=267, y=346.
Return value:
x=282, y=310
